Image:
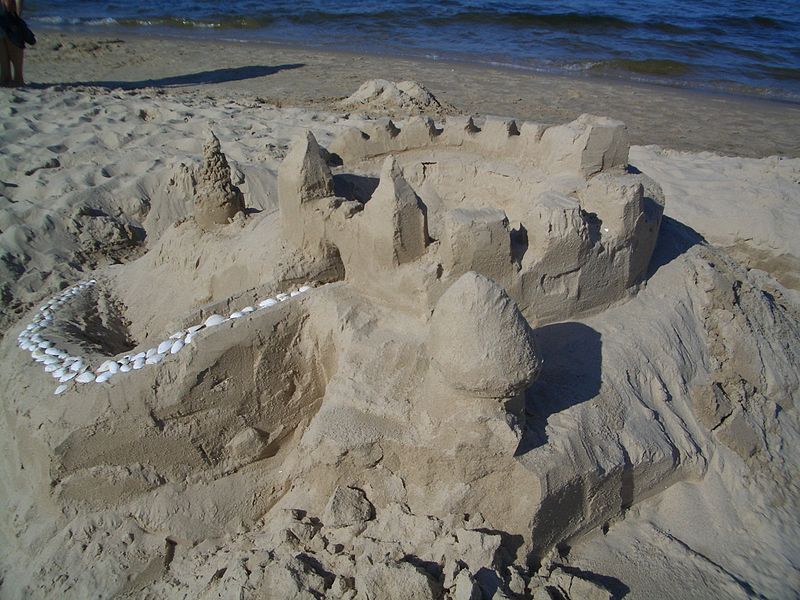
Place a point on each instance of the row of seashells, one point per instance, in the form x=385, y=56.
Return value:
x=72, y=370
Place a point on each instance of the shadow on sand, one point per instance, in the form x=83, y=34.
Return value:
x=203, y=77
x=572, y=355
x=674, y=239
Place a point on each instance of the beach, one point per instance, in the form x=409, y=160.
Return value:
x=673, y=118
x=293, y=322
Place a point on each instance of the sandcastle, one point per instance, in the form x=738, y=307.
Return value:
x=432, y=250
x=549, y=213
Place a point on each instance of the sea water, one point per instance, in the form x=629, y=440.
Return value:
x=741, y=46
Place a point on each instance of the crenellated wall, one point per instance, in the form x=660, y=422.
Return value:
x=550, y=213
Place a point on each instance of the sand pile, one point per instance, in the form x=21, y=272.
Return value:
x=439, y=359
x=389, y=97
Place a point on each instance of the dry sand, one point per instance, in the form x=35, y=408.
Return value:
x=369, y=438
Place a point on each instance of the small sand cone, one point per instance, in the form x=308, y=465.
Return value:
x=217, y=199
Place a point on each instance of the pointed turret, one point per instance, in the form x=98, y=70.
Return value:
x=303, y=177
x=396, y=218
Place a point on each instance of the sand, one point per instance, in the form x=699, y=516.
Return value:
x=603, y=406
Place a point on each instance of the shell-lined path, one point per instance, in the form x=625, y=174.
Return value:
x=71, y=371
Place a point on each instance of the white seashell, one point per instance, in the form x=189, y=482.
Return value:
x=164, y=346
x=176, y=347
x=155, y=359
x=177, y=335
x=53, y=351
x=150, y=352
x=214, y=320
x=45, y=345
x=70, y=359
x=188, y=339
x=105, y=366
x=237, y=315
x=67, y=377
x=36, y=355
x=282, y=297
x=85, y=377
x=194, y=328
x=60, y=390
x=293, y=294
x=103, y=377
x=59, y=372
x=138, y=363
x=51, y=360
x=76, y=366
x=125, y=359
x=247, y=309
x=139, y=355
x=125, y=368
x=113, y=367
x=52, y=368
x=267, y=303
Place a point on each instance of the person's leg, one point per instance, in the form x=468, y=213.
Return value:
x=5, y=62
x=15, y=54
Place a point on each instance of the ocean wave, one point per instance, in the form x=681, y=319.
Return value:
x=566, y=20
x=757, y=22
x=648, y=66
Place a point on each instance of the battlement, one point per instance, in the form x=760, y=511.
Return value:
x=588, y=145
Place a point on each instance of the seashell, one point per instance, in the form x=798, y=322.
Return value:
x=125, y=359
x=247, y=309
x=164, y=346
x=138, y=363
x=103, y=377
x=105, y=366
x=282, y=297
x=51, y=360
x=113, y=367
x=67, y=376
x=150, y=352
x=60, y=390
x=176, y=347
x=38, y=356
x=194, y=328
x=155, y=359
x=177, y=335
x=139, y=355
x=45, y=345
x=188, y=339
x=53, y=351
x=267, y=303
x=293, y=294
x=214, y=320
x=237, y=315
x=125, y=368
x=52, y=368
x=85, y=377
x=59, y=372
x=76, y=366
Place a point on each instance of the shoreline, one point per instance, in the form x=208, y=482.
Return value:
x=590, y=74
x=288, y=75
